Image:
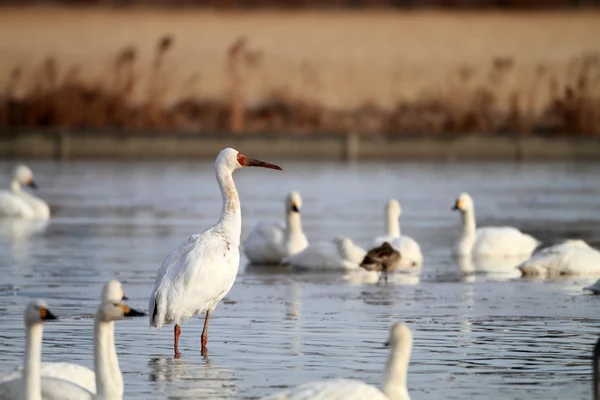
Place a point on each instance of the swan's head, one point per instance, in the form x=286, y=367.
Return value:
x=393, y=209
x=37, y=312
x=344, y=244
x=113, y=291
x=400, y=336
x=293, y=202
x=115, y=310
x=232, y=159
x=463, y=203
x=24, y=176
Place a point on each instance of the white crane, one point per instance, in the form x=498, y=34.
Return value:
x=201, y=271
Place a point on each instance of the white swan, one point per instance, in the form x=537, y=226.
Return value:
x=339, y=254
x=16, y=203
x=595, y=288
x=32, y=386
x=489, y=241
x=269, y=242
x=83, y=376
x=107, y=376
x=394, y=378
x=407, y=246
x=571, y=257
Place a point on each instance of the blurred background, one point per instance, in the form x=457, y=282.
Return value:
x=368, y=67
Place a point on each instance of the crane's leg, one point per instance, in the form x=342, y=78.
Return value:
x=205, y=333
x=177, y=332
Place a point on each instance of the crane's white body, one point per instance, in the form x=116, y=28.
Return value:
x=393, y=386
x=270, y=242
x=409, y=249
x=17, y=203
x=572, y=257
x=339, y=254
x=489, y=241
x=201, y=271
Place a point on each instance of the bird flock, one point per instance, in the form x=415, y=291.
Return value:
x=198, y=274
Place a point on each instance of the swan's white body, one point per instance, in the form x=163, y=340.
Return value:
x=595, y=288
x=270, y=242
x=394, y=378
x=407, y=246
x=31, y=386
x=572, y=257
x=16, y=203
x=489, y=241
x=107, y=376
x=339, y=254
x=201, y=271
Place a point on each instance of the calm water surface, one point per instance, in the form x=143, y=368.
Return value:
x=483, y=336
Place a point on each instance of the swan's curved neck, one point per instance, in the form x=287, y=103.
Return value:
x=392, y=224
x=394, y=376
x=468, y=222
x=15, y=186
x=32, y=380
x=293, y=223
x=231, y=216
x=104, y=384
x=115, y=371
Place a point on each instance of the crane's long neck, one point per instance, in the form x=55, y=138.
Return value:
x=32, y=380
x=392, y=224
x=394, y=375
x=15, y=186
x=293, y=223
x=104, y=384
x=115, y=371
x=231, y=215
x=468, y=222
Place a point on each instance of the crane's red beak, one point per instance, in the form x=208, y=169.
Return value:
x=250, y=162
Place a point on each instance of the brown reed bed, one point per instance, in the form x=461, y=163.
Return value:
x=470, y=101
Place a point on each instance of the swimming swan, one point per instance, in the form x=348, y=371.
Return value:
x=407, y=246
x=339, y=254
x=269, y=242
x=107, y=376
x=394, y=378
x=571, y=257
x=33, y=386
x=16, y=203
x=489, y=241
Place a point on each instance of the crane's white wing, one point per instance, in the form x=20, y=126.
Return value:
x=194, y=278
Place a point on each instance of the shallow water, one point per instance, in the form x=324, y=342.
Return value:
x=478, y=336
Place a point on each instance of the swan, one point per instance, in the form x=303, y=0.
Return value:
x=571, y=257
x=394, y=377
x=595, y=288
x=195, y=276
x=339, y=254
x=407, y=246
x=489, y=241
x=16, y=203
x=83, y=376
x=269, y=242
x=107, y=377
x=32, y=386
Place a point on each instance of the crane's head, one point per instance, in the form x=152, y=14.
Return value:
x=233, y=159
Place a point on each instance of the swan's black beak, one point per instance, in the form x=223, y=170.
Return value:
x=46, y=315
x=455, y=207
x=295, y=208
x=130, y=312
x=32, y=184
x=124, y=297
x=386, y=344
